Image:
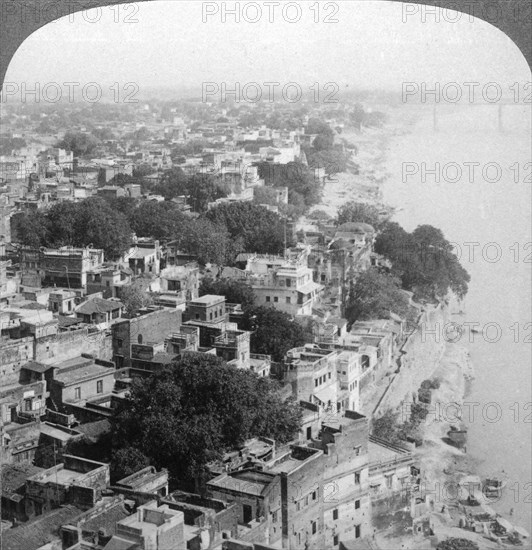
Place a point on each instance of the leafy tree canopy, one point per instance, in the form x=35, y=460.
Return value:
x=80, y=143
x=375, y=295
x=158, y=220
x=259, y=229
x=359, y=212
x=274, y=332
x=235, y=405
x=210, y=242
x=424, y=260
x=235, y=292
x=134, y=297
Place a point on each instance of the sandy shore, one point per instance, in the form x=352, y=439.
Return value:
x=364, y=186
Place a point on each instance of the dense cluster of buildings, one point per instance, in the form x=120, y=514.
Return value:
x=69, y=351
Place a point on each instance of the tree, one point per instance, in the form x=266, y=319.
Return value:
x=375, y=295
x=235, y=292
x=274, y=332
x=359, y=212
x=134, y=297
x=158, y=220
x=298, y=177
x=317, y=126
x=210, y=242
x=124, y=205
x=424, y=260
x=31, y=229
x=332, y=160
x=173, y=183
x=80, y=143
x=259, y=229
x=386, y=426
x=127, y=461
x=203, y=189
x=89, y=222
x=99, y=225
x=323, y=142
x=8, y=145
x=235, y=405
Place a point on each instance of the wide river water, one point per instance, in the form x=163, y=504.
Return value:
x=491, y=208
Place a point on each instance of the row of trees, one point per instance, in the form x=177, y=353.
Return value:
x=424, y=260
x=216, y=236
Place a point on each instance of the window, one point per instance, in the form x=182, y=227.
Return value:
x=77, y=393
x=357, y=450
x=314, y=527
x=314, y=495
x=389, y=481
x=288, y=299
x=197, y=315
x=329, y=376
x=335, y=513
x=357, y=504
x=99, y=386
x=267, y=298
x=357, y=478
x=210, y=316
x=298, y=505
x=139, y=338
x=276, y=299
x=357, y=531
x=316, y=382
x=274, y=517
x=335, y=540
x=288, y=283
x=119, y=342
x=306, y=500
x=28, y=404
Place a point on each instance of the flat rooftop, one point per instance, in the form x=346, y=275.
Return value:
x=84, y=372
x=208, y=299
x=382, y=453
x=247, y=481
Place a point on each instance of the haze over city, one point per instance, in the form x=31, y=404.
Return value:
x=167, y=44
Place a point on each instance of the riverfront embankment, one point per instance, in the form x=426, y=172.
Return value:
x=428, y=356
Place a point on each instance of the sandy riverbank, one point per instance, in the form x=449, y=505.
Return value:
x=363, y=186
x=443, y=465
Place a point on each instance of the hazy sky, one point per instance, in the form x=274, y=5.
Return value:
x=167, y=44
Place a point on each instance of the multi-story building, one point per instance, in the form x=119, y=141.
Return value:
x=312, y=496
x=78, y=380
x=75, y=481
x=151, y=527
x=144, y=257
x=150, y=325
x=66, y=267
x=216, y=334
x=312, y=373
x=284, y=283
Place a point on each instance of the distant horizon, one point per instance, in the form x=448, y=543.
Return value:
x=168, y=46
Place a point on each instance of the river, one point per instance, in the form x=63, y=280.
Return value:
x=488, y=203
